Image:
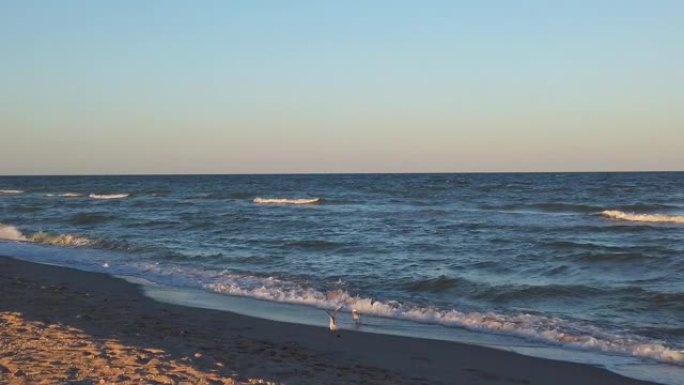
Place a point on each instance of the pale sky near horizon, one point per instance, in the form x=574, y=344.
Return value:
x=115, y=87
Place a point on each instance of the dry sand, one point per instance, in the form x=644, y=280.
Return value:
x=63, y=326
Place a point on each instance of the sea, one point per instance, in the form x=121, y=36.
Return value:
x=584, y=267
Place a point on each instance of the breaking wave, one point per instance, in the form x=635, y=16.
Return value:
x=531, y=326
x=285, y=201
x=65, y=195
x=60, y=239
x=11, y=192
x=649, y=218
x=11, y=233
x=108, y=196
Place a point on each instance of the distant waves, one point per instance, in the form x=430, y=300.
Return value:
x=622, y=213
x=285, y=201
x=648, y=218
x=69, y=194
x=108, y=196
x=11, y=192
x=257, y=200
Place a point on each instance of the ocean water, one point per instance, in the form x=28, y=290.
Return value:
x=582, y=262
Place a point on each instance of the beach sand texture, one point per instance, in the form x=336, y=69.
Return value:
x=63, y=326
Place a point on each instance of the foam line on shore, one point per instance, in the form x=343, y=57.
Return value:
x=534, y=327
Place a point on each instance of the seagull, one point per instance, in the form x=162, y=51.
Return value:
x=332, y=323
x=356, y=316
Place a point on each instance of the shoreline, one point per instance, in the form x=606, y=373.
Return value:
x=222, y=346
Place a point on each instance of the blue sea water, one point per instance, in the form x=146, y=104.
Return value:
x=585, y=262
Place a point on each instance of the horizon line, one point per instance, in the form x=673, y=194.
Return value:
x=346, y=173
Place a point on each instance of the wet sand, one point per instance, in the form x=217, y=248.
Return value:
x=64, y=326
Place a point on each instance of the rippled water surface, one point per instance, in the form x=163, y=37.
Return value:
x=591, y=261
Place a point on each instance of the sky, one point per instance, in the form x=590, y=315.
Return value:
x=138, y=87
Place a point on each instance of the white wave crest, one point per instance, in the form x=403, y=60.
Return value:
x=650, y=218
x=64, y=195
x=11, y=192
x=108, y=196
x=285, y=201
x=11, y=233
x=534, y=327
x=60, y=239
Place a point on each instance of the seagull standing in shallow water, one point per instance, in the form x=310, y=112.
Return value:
x=332, y=324
x=356, y=316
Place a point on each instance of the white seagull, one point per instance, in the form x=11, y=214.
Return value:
x=332, y=324
x=356, y=316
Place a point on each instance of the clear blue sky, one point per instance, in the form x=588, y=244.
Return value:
x=340, y=86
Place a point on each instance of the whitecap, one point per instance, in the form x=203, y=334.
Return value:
x=60, y=239
x=108, y=196
x=649, y=218
x=11, y=233
x=286, y=201
x=11, y=192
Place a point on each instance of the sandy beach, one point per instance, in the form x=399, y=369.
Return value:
x=61, y=325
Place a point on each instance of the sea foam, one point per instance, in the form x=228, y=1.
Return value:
x=108, y=196
x=650, y=218
x=60, y=239
x=11, y=192
x=65, y=195
x=285, y=201
x=534, y=327
x=11, y=233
